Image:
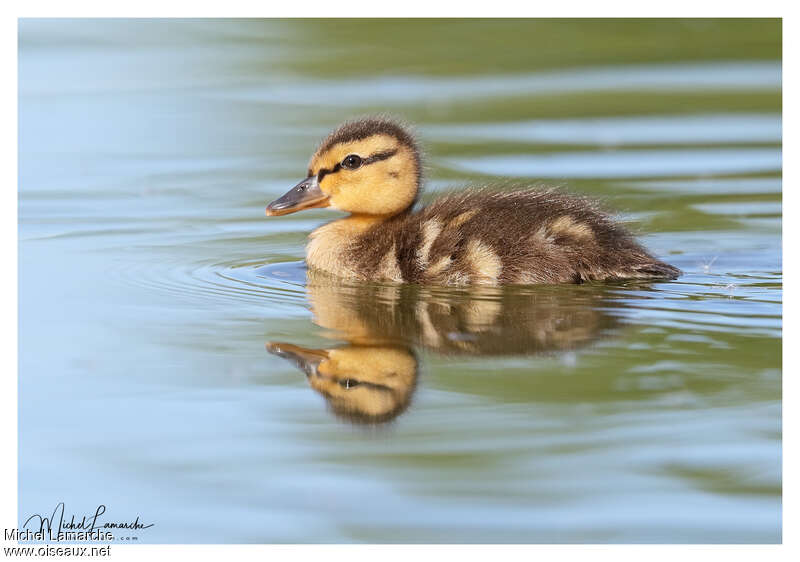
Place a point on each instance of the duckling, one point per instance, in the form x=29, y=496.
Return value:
x=372, y=169
x=362, y=384
x=371, y=379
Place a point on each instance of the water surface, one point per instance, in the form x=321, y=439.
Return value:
x=162, y=315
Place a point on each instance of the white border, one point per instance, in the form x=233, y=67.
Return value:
x=427, y=8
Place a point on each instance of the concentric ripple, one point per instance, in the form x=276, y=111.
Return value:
x=205, y=283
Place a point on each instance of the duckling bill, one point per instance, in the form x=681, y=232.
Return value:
x=371, y=168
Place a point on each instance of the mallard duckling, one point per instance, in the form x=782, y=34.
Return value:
x=371, y=168
x=363, y=384
x=371, y=379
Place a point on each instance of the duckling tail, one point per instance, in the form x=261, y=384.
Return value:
x=658, y=270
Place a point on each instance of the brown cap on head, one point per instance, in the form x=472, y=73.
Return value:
x=359, y=129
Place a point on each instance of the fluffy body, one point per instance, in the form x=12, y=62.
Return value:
x=486, y=237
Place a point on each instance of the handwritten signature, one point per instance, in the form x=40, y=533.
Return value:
x=87, y=523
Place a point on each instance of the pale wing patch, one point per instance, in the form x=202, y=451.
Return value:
x=462, y=218
x=542, y=234
x=388, y=268
x=458, y=278
x=484, y=262
x=430, y=231
x=438, y=266
x=567, y=226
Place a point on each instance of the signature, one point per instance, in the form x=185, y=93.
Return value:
x=86, y=523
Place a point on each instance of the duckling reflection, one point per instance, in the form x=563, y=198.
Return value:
x=371, y=379
x=363, y=384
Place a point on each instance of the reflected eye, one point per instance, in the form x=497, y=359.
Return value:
x=348, y=383
x=351, y=161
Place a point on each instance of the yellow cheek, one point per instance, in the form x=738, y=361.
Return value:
x=331, y=184
x=352, y=190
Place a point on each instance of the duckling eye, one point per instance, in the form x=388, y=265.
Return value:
x=351, y=161
x=348, y=383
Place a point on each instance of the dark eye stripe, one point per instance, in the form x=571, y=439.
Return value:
x=325, y=171
x=377, y=157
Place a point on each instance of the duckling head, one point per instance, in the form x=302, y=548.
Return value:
x=363, y=384
x=368, y=167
